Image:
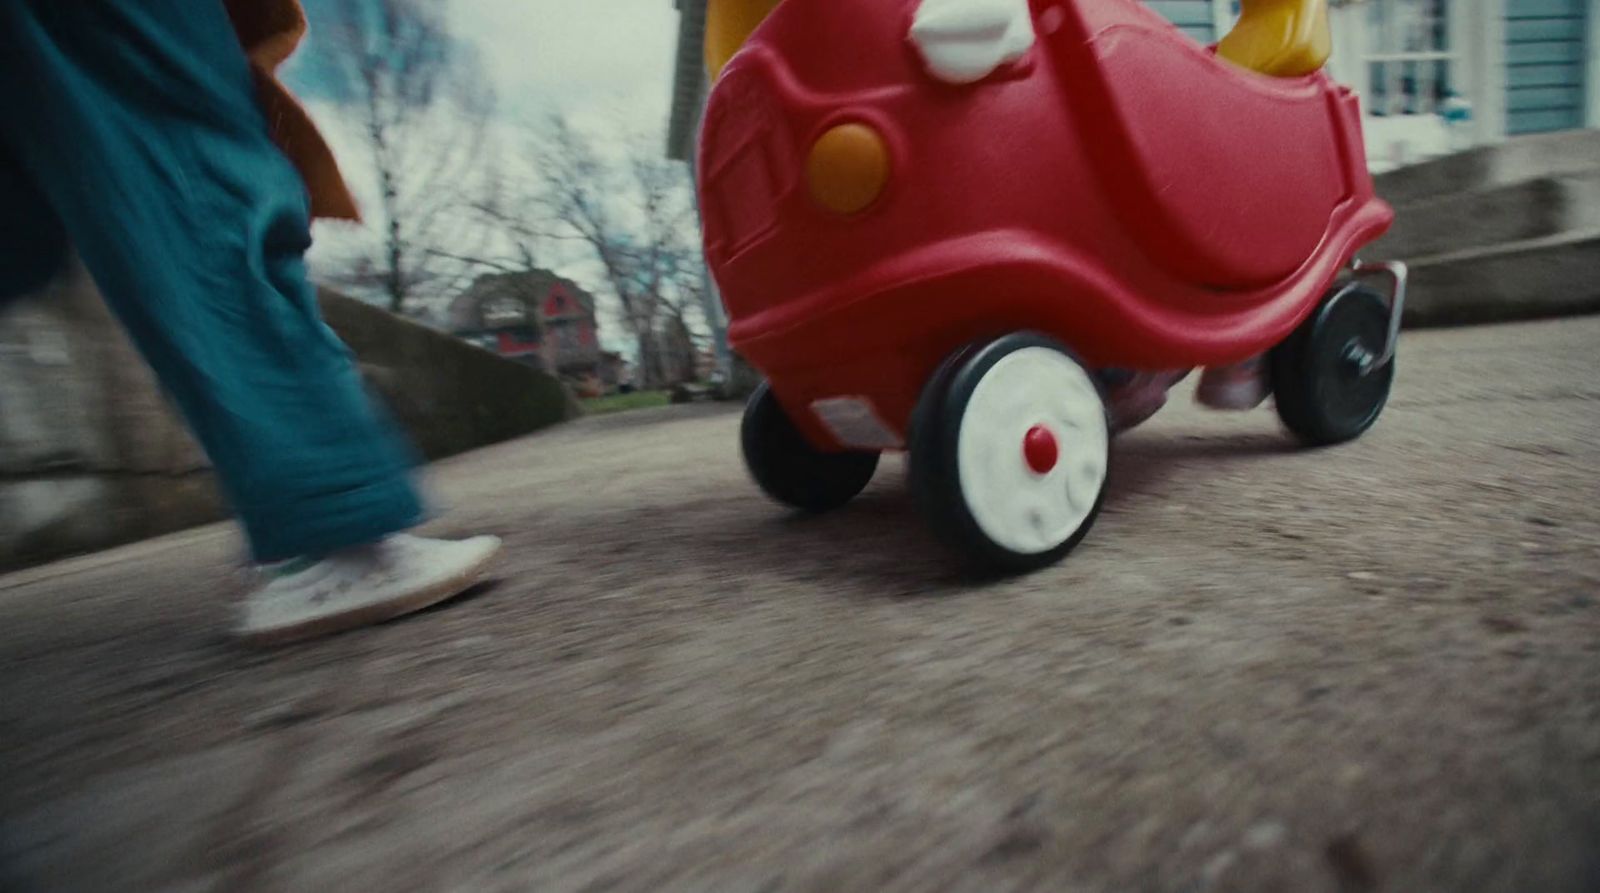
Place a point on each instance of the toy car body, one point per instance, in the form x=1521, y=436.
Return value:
x=878, y=218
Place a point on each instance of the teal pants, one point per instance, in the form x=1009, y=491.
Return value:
x=129, y=131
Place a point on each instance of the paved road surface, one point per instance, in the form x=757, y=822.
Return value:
x=1372, y=668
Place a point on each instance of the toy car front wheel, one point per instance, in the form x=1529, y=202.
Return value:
x=1009, y=453
x=792, y=471
x=1329, y=378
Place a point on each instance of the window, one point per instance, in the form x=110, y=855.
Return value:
x=557, y=303
x=1410, y=63
x=498, y=312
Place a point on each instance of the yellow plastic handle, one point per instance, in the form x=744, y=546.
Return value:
x=1283, y=38
x=728, y=25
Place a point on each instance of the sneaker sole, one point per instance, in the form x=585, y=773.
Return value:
x=371, y=615
x=1233, y=397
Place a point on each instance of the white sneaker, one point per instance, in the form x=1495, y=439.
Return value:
x=1139, y=398
x=361, y=586
x=1238, y=387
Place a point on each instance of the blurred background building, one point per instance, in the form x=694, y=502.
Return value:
x=540, y=319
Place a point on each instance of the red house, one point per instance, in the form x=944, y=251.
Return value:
x=534, y=317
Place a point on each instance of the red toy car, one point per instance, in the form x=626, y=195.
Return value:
x=937, y=234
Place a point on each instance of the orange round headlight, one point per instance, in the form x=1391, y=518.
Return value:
x=848, y=168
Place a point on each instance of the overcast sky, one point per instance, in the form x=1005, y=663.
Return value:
x=586, y=57
x=606, y=64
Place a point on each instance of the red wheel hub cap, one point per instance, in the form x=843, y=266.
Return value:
x=1040, y=448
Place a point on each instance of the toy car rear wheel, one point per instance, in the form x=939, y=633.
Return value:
x=1009, y=453
x=1328, y=380
x=792, y=471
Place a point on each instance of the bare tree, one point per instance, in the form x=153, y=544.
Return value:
x=416, y=98
x=632, y=214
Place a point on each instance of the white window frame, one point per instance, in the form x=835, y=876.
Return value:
x=1477, y=36
x=502, y=311
x=1223, y=16
x=1395, y=60
x=1480, y=30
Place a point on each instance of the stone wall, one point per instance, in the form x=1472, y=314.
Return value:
x=91, y=455
x=451, y=396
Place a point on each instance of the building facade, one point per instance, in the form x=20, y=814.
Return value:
x=1438, y=76
x=1435, y=76
x=534, y=317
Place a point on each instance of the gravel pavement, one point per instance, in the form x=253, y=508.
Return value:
x=1375, y=667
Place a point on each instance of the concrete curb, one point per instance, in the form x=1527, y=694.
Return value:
x=1499, y=233
x=1543, y=278
x=1532, y=209
x=1485, y=167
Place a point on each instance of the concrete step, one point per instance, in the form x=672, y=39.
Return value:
x=1552, y=276
x=1487, y=167
x=1532, y=209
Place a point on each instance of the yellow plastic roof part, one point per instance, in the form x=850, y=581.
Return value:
x=728, y=25
x=1282, y=38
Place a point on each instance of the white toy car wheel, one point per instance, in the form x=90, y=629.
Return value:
x=1010, y=453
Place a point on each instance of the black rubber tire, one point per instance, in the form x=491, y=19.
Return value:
x=792, y=471
x=1321, y=394
x=935, y=473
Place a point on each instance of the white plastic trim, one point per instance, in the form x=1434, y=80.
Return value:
x=963, y=41
x=854, y=422
x=1026, y=512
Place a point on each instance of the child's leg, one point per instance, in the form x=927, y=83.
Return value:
x=1240, y=386
x=33, y=247
x=136, y=120
x=1140, y=395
